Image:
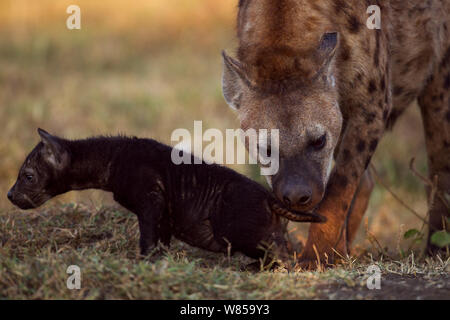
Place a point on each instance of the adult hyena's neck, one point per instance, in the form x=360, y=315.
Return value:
x=281, y=37
x=288, y=22
x=297, y=23
x=91, y=162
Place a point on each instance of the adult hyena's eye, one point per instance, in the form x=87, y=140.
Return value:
x=319, y=144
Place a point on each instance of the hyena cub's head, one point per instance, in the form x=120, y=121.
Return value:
x=40, y=175
x=294, y=92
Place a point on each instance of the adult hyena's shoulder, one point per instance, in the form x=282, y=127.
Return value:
x=420, y=40
x=277, y=39
x=280, y=38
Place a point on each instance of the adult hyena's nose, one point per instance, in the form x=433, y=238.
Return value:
x=294, y=194
x=298, y=193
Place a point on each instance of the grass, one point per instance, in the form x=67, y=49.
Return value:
x=37, y=247
x=146, y=68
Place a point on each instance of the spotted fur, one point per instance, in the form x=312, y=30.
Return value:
x=305, y=63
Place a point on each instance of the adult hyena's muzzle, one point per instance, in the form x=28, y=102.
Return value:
x=298, y=185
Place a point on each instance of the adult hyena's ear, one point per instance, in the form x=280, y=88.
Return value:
x=326, y=52
x=54, y=152
x=233, y=81
x=327, y=47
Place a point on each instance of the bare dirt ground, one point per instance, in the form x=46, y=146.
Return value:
x=393, y=287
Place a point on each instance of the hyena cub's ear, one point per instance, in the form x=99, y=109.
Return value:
x=233, y=81
x=54, y=152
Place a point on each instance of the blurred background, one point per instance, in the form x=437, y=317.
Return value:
x=145, y=68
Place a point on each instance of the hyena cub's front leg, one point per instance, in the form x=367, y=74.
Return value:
x=151, y=226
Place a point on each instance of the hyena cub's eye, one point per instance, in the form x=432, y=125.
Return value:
x=319, y=144
x=29, y=177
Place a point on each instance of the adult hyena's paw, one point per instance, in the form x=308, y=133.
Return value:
x=307, y=265
x=312, y=265
x=310, y=260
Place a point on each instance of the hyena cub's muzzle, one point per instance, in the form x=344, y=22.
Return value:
x=20, y=200
x=25, y=201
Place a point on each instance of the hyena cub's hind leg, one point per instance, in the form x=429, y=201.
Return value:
x=435, y=107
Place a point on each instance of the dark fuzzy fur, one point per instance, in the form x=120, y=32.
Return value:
x=208, y=206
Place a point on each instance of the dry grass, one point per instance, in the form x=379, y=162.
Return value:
x=37, y=247
x=143, y=68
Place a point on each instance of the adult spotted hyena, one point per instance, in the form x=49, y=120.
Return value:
x=313, y=70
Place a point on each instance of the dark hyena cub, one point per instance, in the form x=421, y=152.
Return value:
x=207, y=206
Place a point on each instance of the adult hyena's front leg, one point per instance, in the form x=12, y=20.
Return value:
x=435, y=106
x=365, y=108
x=358, y=207
x=352, y=221
x=339, y=230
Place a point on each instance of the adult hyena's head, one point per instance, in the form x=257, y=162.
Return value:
x=294, y=91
